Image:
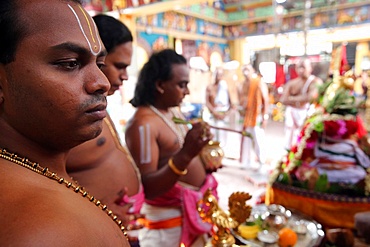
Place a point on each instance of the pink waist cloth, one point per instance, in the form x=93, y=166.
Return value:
x=187, y=199
x=136, y=201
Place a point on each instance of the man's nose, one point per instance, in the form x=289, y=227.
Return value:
x=124, y=75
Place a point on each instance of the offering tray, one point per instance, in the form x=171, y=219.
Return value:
x=309, y=232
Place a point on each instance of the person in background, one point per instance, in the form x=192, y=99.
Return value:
x=219, y=105
x=52, y=98
x=297, y=96
x=365, y=83
x=103, y=165
x=254, y=99
x=360, y=87
x=173, y=175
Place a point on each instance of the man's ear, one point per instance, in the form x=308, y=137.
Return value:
x=158, y=86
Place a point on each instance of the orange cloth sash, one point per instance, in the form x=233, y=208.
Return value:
x=254, y=101
x=164, y=224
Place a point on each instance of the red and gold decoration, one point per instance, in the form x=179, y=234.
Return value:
x=211, y=212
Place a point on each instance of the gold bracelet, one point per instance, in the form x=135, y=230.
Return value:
x=175, y=169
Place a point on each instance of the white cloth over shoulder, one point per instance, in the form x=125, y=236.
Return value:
x=222, y=100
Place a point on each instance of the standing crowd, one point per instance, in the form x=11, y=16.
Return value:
x=59, y=147
x=68, y=180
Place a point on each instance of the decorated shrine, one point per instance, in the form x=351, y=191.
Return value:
x=326, y=174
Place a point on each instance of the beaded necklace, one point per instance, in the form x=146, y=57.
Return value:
x=33, y=166
x=180, y=131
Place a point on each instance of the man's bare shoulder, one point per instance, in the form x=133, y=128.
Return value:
x=92, y=153
x=293, y=82
x=318, y=80
x=142, y=116
x=86, y=147
x=314, y=86
x=41, y=227
x=31, y=219
x=51, y=216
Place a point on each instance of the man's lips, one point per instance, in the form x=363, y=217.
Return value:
x=99, y=111
x=100, y=107
x=114, y=87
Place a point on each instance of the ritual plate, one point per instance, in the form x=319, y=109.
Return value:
x=309, y=232
x=268, y=237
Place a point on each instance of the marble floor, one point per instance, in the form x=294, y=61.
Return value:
x=232, y=178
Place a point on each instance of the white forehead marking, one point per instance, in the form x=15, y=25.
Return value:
x=83, y=32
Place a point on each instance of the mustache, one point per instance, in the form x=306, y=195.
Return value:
x=95, y=100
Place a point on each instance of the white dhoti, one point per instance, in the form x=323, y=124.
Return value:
x=256, y=143
x=294, y=120
x=174, y=219
x=169, y=237
x=160, y=237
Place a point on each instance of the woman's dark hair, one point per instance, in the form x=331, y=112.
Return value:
x=158, y=68
x=12, y=30
x=112, y=31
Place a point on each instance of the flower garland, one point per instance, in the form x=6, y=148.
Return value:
x=315, y=123
x=367, y=183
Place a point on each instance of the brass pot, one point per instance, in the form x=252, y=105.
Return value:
x=212, y=155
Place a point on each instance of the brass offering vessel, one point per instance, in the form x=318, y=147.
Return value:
x=212, y=155
x=210, y=211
